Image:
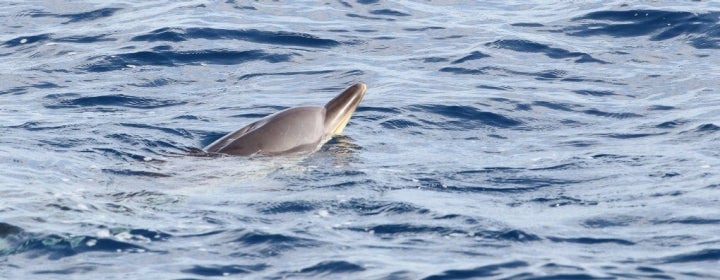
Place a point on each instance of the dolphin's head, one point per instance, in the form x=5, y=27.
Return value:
x=339, y=110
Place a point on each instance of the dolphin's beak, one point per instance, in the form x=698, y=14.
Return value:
x=339, y=110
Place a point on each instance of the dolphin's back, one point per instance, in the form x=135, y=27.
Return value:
x=294, y=130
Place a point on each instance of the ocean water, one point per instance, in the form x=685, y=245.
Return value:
x=498, y=139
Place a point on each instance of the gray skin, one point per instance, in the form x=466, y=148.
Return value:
x=292, y=131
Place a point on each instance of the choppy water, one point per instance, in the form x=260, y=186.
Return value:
x=519, y=140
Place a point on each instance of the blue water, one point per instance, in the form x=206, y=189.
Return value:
x=509, y=140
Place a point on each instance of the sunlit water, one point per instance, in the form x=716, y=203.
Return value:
x=506, y=139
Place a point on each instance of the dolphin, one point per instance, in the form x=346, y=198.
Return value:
x=292, y=131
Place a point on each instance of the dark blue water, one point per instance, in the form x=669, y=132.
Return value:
x=508, y=140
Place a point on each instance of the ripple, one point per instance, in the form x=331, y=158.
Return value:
x=224, y=270
x=288, y=207
x=424, y=28
x=631, y=135
x=466, y=117
x=85, y=39
x=619, y=221
x=480, y=271
x=505, y=180
x=112, y=100
x=26, y=89
x=122, y=155
x=689, y=221
x=80, y=39
x=27, y=40
x=596, y=112
x=389, y=12
x=567, y=276
x=671, y=124
x=531, y=183
x=594, y=92
x=564, y=166
x=659, y=25
x=527, y=24
x=352, y=15
x=250, y=35
x=465, y=71
x=661, y=108
x=400, y=124
x=173, y=131
x=79, y=17
x=69, y=271
x=8, y=229
x=703, y=130
x=708, y=127
x=591, y=240
x=177, y=58
x=159, y=82
x=705, y=255
x=563, y=201
x=472, y=56
x=135, y=173
x=434, y=59
x=554, y=106
x=149, y=145
x=328, y=267
x=275, y=240
x=533, y=47
x=259, y=244
x=365, y=207
x=254, y=75
x=513, y=235
x=552, y=74
x=57, y=247
x=37, y=126
x=394, y=230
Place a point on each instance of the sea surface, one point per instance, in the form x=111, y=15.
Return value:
x=498, y=139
